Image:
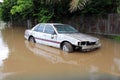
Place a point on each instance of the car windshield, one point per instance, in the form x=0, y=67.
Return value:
x=65, y=29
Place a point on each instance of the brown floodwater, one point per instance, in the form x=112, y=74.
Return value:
x=22, y=60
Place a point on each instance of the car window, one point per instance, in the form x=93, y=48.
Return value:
x=65, y=29
x=49, y=29
x=39, y=28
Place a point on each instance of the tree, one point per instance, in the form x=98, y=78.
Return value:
x=78, y=4
x=118, y=6
x=5, y=9
x=23, y=8
x=100, y=7
x=46, y=10
x=74, y=4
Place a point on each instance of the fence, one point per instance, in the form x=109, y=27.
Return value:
x=109, y=25
x=100, y=25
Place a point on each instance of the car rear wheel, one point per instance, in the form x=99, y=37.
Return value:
x=32, y=39
x=67, y=47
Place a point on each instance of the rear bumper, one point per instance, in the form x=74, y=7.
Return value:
x=26, y=37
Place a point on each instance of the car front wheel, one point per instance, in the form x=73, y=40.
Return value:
x=67, y=47
x=32, y=39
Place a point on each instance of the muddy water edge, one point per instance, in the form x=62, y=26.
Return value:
x=22, y=60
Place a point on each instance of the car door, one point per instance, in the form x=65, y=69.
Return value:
x=50, y=36
x=38, y=33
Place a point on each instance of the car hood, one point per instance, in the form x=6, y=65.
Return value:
x=82, y=37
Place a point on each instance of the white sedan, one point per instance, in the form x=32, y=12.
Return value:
x=61, y=36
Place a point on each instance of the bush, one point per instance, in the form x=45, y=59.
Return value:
x=44, y=15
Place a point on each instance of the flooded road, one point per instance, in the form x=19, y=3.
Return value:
x=22, y=60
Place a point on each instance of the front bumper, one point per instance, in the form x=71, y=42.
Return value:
x=89, y=47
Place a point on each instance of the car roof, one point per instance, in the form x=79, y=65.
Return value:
x=52, y=23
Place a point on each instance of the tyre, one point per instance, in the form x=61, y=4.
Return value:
x=32, y=39
x=67, y=47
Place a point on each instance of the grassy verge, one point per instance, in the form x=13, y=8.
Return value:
x=117, y=38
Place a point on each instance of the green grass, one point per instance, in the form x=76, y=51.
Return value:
x=117, y=38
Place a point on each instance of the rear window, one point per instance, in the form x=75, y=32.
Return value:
x=39, y=28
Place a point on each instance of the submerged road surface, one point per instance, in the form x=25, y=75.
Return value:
x=22, y=60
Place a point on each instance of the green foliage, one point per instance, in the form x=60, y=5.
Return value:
x=118, y=6
x=56, y=10
x=44, y=15
x=100, y=7
x=117, y=38
x=5, y=10
x=21, y=6
x=42, y=12
x=118, y=9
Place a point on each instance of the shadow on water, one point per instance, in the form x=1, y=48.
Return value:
x=29, y=61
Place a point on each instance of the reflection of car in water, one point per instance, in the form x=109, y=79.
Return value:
x=55, y=55
x=51, y=54
x=91, y=62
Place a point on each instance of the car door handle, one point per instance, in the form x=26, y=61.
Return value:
x=52, y=37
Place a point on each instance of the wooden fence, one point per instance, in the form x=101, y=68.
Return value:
x=109, y=25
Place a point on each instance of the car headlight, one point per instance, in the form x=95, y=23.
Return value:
x=98, y=41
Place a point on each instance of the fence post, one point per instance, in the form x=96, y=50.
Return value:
x=29, y=25
x=108, y=28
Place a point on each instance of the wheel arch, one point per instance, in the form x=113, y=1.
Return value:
x=61, y=44
x=30, y=37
